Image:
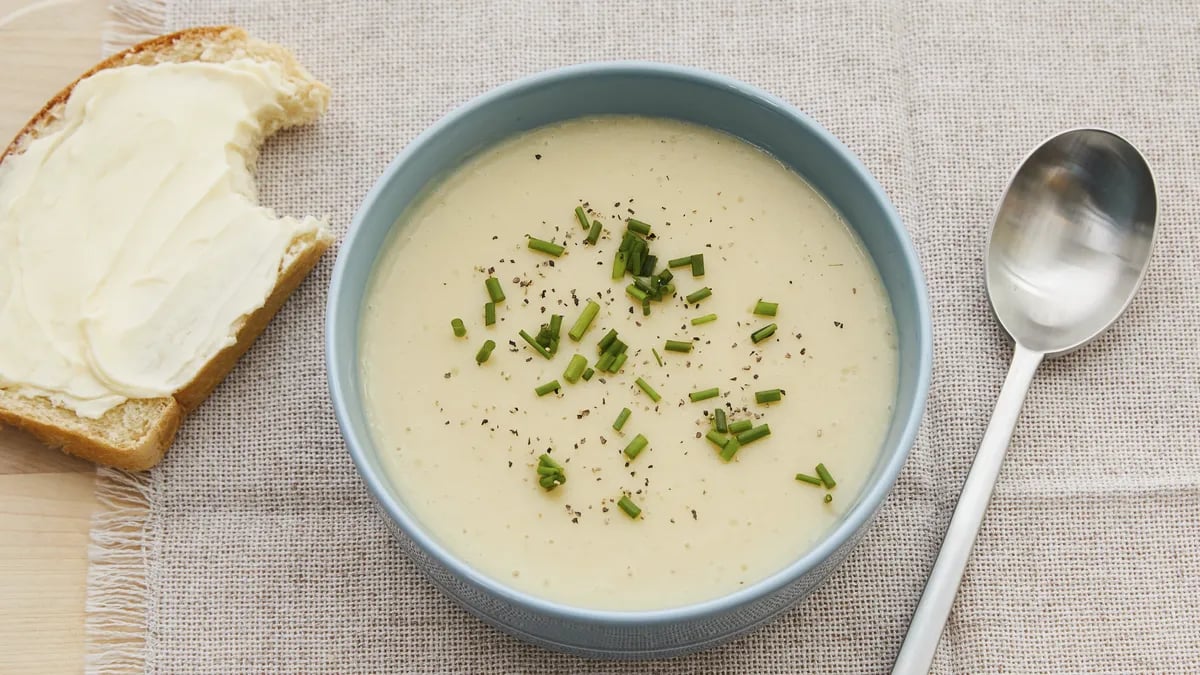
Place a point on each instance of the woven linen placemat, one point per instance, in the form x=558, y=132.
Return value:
x=260, y=550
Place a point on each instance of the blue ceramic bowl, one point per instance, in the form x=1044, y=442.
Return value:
x=652, y=90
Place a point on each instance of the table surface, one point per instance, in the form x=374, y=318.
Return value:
x=46, y=497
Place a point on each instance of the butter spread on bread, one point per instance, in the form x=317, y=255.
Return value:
x=131, y=242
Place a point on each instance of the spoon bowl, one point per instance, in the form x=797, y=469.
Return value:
x=1071, y=240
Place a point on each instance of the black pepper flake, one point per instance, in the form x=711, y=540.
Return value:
x=802, y=350
x=839, y=324
x=447, y=376
x=510, y=463
x=537, y=156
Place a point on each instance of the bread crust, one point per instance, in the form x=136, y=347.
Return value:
x=60, y=427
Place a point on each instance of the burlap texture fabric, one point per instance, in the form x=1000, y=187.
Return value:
x=264, y=554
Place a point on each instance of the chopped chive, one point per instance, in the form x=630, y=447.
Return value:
x=680, y=262
x=698, y=265
x=555, y=331
x=657, y=357
x=811, y=480
x=644, y=386
x=619, y=264
x=575, y=368
x=581, y=216
x=607, y=340
x=730, y=449
x=649, y=264
x=637, y=251
x=636, y=292
x=707, y=318
x=587, y=374
x=629, y=507
x=485, y=351
x=768, y=396
x=750, y=435
x=740, y=426
x=546, y=246
x=638, y=226
x=678, y=346
x=544, y=336
x=826, y=479
x=704, y=394
x=765, y=308
x=645, y=306
x=618, y=362
x=716, y=438
x=550, y=473
x=719, y=420
x=828, y=498
x=489, y=313
x=549, y=387
x=493, y=289
x=699, y=295
x=763, y=333
x=622, y=417
x=534, y=343
x=644, y=283
x=459, y=329
x=584, y=321
x=605, y=362
x=636, y=446
x=594, y=232
x=627, y=240
x=617, y=348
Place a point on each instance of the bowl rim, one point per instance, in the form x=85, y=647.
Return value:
x=860, y=514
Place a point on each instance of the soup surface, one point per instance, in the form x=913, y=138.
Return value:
x=461, y=442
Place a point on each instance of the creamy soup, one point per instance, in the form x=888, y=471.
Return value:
x=461, y=442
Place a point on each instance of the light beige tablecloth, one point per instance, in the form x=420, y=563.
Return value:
x=264, y=554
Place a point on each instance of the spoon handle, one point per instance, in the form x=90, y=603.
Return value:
x=916, y=654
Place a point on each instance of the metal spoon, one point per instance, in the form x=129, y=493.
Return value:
x=1069, y=246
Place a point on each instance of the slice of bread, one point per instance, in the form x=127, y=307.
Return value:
x=135, y=434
